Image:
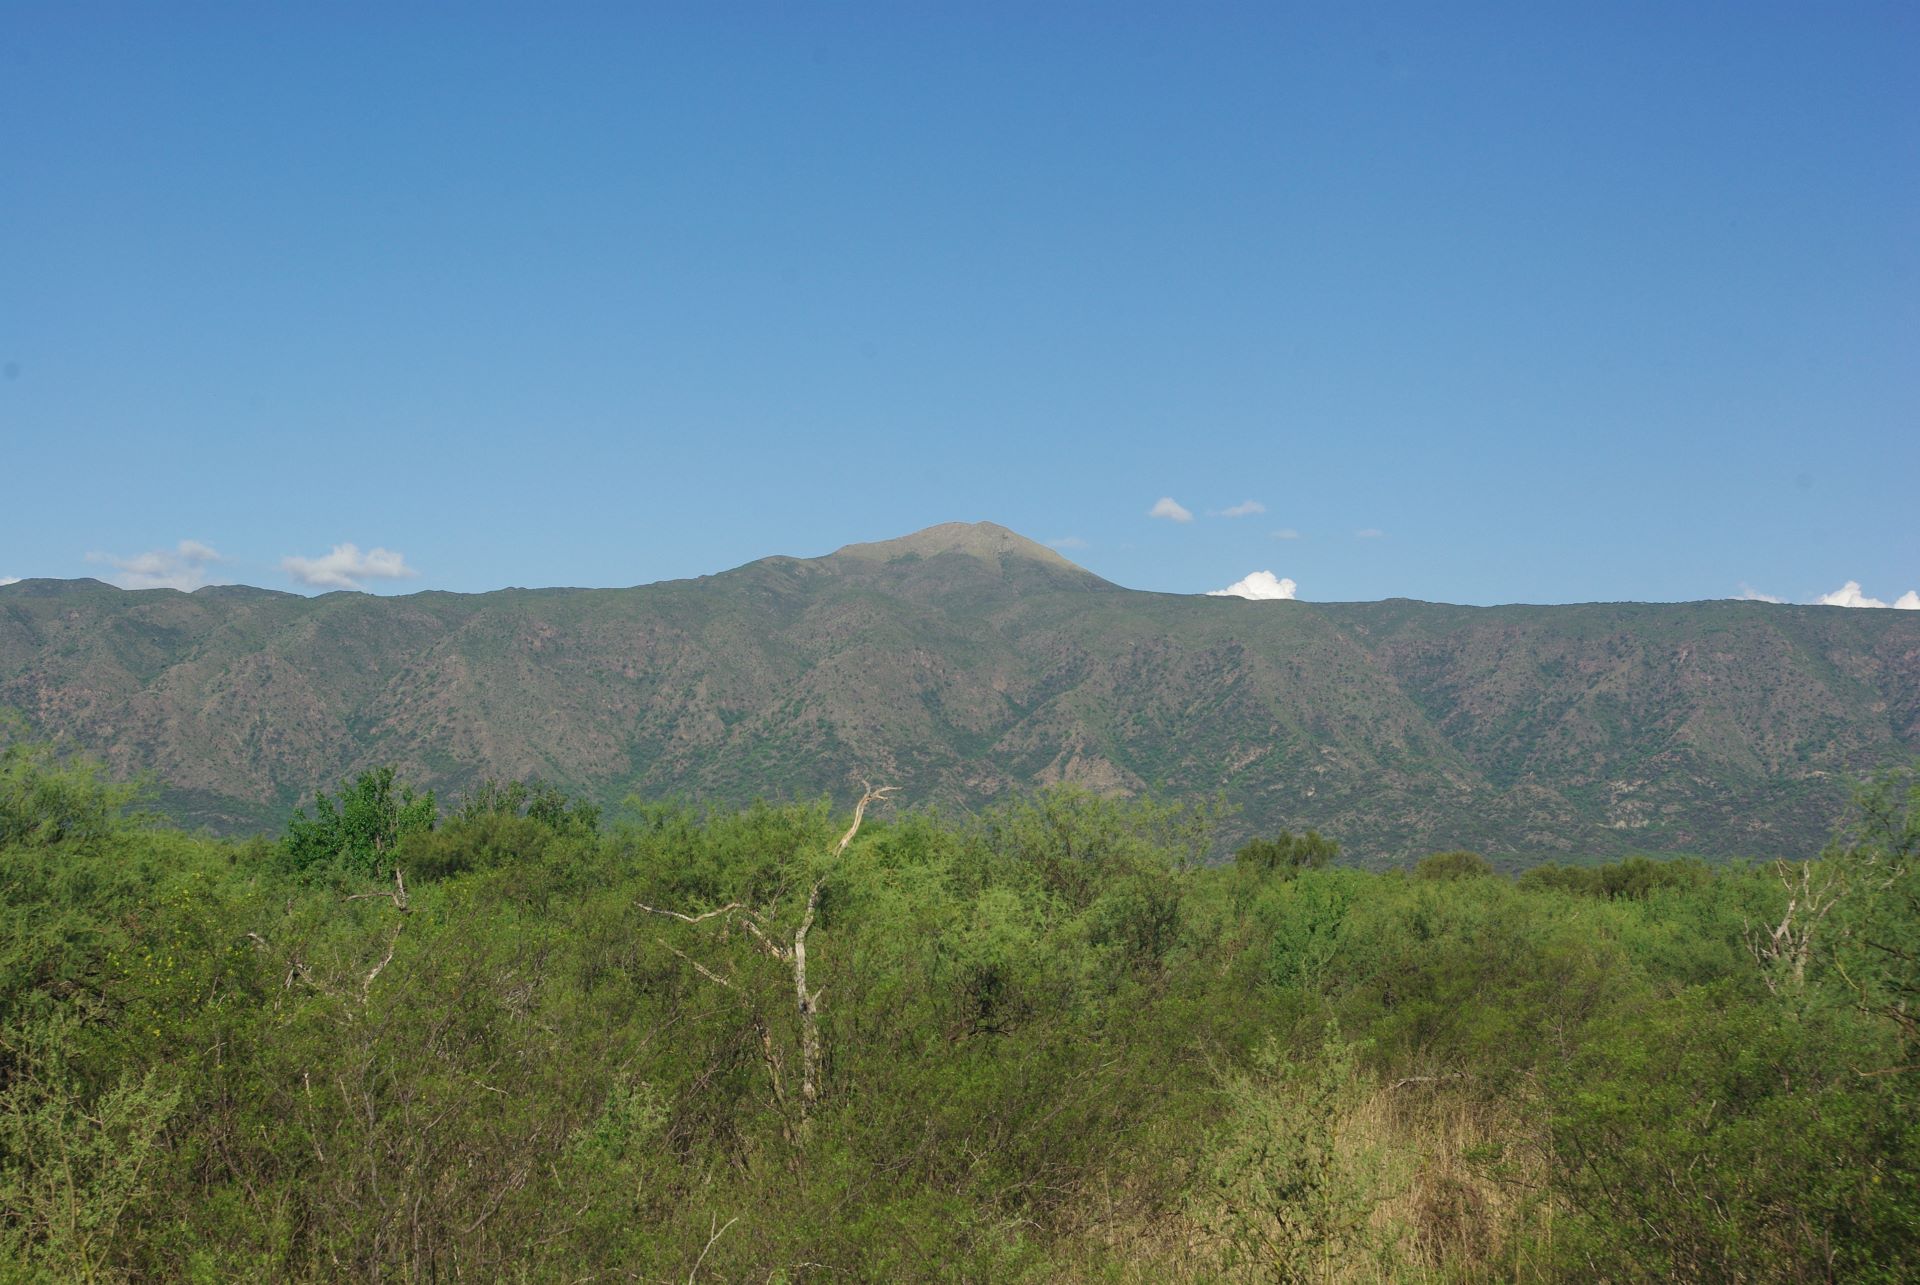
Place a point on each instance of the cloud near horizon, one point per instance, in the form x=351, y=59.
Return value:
x=1849, y=595
x=1260, y=586
x=184, y=567
x=1369, y=533
x=1244, y=509
x=347, y=567
x=9, y=579
x=1286, y=533
x=1171, y=509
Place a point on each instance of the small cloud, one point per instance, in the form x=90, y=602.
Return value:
x=1261, y=586
x=1067, y=542
x=1167, y=507
x=9, y=579
x=347, y=566
x=1849, y=595
x=1369, y=533
x=1286, y=533
x=184, y=566
x=1244, y=509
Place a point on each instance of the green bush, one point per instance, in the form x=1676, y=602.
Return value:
x=1457, y=864
x=1287, y=853
x=1053, y=1046
x=356, y=833
x=47, y=797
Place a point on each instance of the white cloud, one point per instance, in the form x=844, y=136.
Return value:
x=1286, y=533
x=1167, y=507
x=1261, y=586
x=185, y=566
x=1067, y=542
x=347, y=566
x=1369, y=533
x=1244, y=509
x=1849, y=595
x=9, y=579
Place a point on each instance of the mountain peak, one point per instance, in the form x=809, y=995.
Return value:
x=987, y=541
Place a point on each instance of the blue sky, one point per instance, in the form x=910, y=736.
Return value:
x=1551, y=307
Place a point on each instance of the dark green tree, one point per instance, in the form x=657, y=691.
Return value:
x=1457, y=864
x=1287, y=853
x=356, y=832
x=536, y=800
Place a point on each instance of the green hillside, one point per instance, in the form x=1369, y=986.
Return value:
x=968, y=663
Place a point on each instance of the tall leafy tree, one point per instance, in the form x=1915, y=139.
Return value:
x=1287, y=853
x=356, y=831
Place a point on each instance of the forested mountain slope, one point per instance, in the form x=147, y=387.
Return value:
x=963, y=662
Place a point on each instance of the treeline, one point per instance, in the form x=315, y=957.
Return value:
x=520, y=1040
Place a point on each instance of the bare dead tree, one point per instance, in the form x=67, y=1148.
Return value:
x=400, y=903
x=398, y=896
x=719, y=1231
x=366, y=983
x=1811, y=898
x=1883, y=858
x=792, y=956
x=299, y=970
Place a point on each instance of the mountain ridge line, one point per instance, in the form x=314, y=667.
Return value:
x=967, y=662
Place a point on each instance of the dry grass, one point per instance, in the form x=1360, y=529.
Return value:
x=1442, y=1210
x=1442, y=1214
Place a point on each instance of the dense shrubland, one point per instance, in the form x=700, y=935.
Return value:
x=1052, y=1045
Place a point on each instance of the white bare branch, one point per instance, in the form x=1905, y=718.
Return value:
x=1790, y=942
x=794, y=957
x=809, y=1007
x=710, y=1240
x=869, y=795
x=398, y=896
x=701, y=968
x=766, y=943
x=691, y=919
x=366, y=987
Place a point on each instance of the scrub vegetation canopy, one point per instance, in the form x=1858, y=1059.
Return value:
x=1182, y=891
x=519, y=1039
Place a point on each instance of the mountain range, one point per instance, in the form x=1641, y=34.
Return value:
x=964, y=664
